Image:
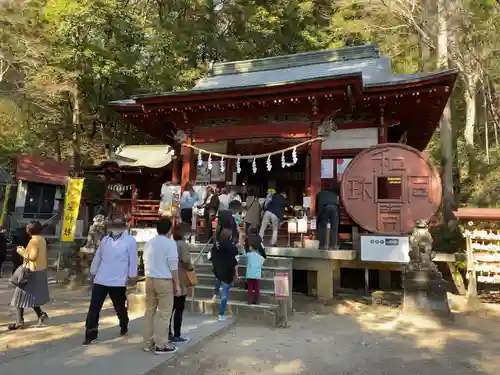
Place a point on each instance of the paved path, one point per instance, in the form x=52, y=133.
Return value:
x=56, y=349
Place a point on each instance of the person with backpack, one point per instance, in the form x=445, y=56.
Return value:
x=225, y=267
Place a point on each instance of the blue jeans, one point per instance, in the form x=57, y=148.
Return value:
x=224, y=297
x=217, y=287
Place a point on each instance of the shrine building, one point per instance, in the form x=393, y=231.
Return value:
x=326, y=110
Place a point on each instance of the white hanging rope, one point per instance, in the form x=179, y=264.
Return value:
x=251, y=157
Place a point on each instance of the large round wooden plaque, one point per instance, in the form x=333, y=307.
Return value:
x=386, y=188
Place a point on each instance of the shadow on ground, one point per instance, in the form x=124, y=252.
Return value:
x=367, y=341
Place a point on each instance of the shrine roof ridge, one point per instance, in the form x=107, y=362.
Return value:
x=402, y=79
x=368, y=51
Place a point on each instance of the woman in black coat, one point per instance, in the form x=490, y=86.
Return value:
x=210, y=205
x=3, y=246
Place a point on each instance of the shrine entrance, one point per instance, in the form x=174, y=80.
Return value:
x=290, y=180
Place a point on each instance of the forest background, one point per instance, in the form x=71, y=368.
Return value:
x=62, y=61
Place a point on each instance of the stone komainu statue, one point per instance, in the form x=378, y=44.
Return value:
x=421, y=253
x=96, y=232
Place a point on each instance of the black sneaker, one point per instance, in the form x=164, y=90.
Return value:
x=42, y=319
x=169, y=349
x=123, y=331
x=179, y=340
x=89, y=342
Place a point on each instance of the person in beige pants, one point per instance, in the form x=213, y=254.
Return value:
x=161, y=261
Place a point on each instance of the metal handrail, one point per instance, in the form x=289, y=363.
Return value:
x=194, y=264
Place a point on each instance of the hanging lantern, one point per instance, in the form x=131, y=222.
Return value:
x=254, y=166
x=222, y=165
x=238, y=166
x=268, y=164
x=295, y=159
x=200, y=159
x=209, y=162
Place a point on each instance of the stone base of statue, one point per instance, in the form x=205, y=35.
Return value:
x=424, y=290
x=425, y=293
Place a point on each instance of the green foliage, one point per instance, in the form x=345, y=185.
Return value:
x=55, y=54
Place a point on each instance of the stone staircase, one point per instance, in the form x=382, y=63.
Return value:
x=268, y=311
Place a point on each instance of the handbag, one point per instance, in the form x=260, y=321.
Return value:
x=20, y=276
x=191, y=278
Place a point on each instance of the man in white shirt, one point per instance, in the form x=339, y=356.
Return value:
x=115, y=262
x=233, y=195
x=224, y=199
x=161, y=260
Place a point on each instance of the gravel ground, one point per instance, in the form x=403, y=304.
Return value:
x=372, y=342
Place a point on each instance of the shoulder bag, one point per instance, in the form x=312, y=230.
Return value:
x=20, y=276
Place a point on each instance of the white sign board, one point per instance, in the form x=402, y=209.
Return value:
x=142, y=235
x=327, y=168
x=302, y=226
x=390, y=249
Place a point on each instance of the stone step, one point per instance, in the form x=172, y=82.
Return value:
x=264, y=313
x=237, y=293
x=209, y=279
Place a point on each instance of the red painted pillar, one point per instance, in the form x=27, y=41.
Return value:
x=315, y=169
x=176, y=168
x=187, y=156
x=230, y=163
x=308, y=170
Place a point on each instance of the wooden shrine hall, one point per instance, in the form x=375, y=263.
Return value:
x=348, y=96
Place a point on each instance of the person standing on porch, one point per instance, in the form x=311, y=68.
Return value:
x=327, y=211
x=228, y=219
x=224, y=199
x=210, y=207
x=253, y=209
x=114, y=263
x=275, y=211
x=233, y=195
x=189, y=199
x=161, y=262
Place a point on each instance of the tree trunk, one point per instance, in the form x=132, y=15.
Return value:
x=470, y=121
x=445, y=124
x=75, y=142
x=486, y=130
x=58, y=147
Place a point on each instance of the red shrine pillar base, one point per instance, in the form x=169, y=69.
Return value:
x=187, y=153
x=315, y=176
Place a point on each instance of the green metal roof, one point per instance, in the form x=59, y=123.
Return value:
x=365, y=61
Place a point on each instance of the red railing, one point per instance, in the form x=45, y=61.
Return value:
x=141, y=207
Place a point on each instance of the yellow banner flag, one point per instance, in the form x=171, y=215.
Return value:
x=5, y=202
x=71, y=207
